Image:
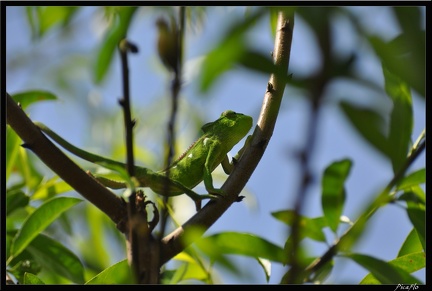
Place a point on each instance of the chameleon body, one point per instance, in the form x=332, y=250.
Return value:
x=193, y=166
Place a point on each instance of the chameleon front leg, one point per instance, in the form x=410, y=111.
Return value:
x=229, y=166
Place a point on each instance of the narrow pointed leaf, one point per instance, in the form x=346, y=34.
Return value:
x=411, y=244
x=333, y=191
x=415, y=178
x=28, y=97
x=116, y=33
x=119, y=273
x=409, y=263
x=57, y=258
x=311, y=227
x=31, y=279
x=369, y=124
x=39, y=220
x=242, y=244
x=383, y=271
x=401, y=118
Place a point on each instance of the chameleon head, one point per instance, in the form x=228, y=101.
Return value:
x=231, y=127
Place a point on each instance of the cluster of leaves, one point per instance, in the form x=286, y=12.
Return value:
x=33, y=203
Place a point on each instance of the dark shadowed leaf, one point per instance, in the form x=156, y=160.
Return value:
x=310, y=227
x=57, y=258
x=401, y=119
x=369, y=123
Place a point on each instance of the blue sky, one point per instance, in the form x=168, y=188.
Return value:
x=273, y=185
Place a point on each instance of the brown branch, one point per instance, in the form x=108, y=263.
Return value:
x=66, y=169
x=174, y=243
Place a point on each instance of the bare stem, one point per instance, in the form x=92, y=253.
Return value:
x=172, y=244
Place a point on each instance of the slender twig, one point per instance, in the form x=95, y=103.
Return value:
x=175, y=90
x=316, y=96
x=172, y=244
x=124, y=47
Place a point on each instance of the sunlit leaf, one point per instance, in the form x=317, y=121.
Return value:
x=31, y=279
x=417, y=217
x=12, y=150
x=415, y=178
x=112, y=39
x=50, y=188
x=333, y=191
x=241, y=244
x=414, y=194
x=409, y=263
x=411, y=244
x=32, y=177
x=119, y=273
x=39, y=220
x=51, y=16
x=26, y=98
x=385, y=273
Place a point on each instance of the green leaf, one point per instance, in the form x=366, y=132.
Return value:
x=411, y=244
x=310, y=227
x=384, y=272
x=401, y=118
x=413, y=179
x=15, y=200
x=417, y=217
x=28, y=97
x=31, y=279
x=119, y=273
x=404, y=57
x=219, y=61
x=50, y=188
x=409, y=263
x=112, y=39
x=228, y=52
x=413, y=194
x=333, y=191
x=32, y=177
x=12, y=150
x=369, y=124
x=48, y=17
x=39, y=220
x=56, y=258
x=241, y=244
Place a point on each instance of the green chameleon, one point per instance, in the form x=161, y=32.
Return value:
x=192, y=167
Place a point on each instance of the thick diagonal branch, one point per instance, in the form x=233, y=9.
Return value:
x=57, y=161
